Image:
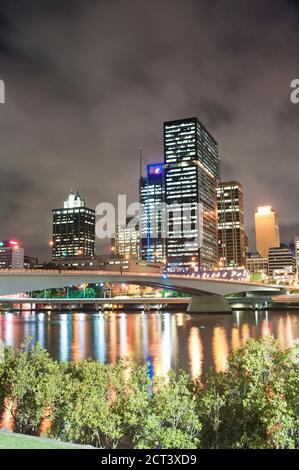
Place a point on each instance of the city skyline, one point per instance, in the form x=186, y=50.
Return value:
x=149, y=241
x=68, y=99
x=107, y=243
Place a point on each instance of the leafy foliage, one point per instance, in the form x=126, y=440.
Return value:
x=255, y=403
x=104, y=404
x=171, y=421
x=30, y=382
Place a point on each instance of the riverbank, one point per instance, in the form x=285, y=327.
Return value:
x=11, y=440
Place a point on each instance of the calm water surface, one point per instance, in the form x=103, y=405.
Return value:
x=194, y=343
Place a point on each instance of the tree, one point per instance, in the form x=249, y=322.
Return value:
x=104, y=404
x=30, y=381
x=6, y=370
x=171, y=421
x=255, y=403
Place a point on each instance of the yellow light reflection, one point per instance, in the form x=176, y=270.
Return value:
x=6, y=420
x=236, y=340
x=220, y=349
x=195, y=352
x=245, y=332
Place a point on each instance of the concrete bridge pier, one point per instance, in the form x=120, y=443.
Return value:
x=209, y=303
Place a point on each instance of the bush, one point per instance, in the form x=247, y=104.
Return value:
x=252, y=405
x=170, y=421
x=103, y=404
x=30, y=383
x=255, y=403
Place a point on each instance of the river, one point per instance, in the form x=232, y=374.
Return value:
x=194, y=343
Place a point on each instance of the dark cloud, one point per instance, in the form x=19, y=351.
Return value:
x=214, y=113
x=14, y=184
x=87, y=83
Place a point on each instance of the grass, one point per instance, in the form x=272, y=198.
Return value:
x=10, y=440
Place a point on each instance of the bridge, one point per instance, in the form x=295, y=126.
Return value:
x=208, y=295
x=97, y=303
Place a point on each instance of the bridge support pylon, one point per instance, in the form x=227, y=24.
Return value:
x=209, y=304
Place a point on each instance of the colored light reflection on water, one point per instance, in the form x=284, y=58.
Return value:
x=194, y=343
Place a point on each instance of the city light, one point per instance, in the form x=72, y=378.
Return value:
x=264, y=210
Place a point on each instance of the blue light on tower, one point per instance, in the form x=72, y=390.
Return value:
x=154, y=169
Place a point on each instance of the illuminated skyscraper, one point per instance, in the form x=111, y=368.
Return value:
x=191, y=175
x=231, y=230
x=266, y=230
x=151, y=196
x=73, y=229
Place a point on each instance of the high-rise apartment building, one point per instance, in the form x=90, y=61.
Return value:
x=231, y=230
x=191, y=176
x=73, y=229
x=266, y=230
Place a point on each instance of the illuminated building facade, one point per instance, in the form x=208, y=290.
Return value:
x=152, y=196
x=11, y=255
x=231, y=230
x=266, y=230
x=73, y=229
x=191, y=175
x=282, y=264
x=255, y=264
x=127, y=239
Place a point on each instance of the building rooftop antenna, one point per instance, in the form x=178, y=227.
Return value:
x=140, y=162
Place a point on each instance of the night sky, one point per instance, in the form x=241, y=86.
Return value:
x=88, y=82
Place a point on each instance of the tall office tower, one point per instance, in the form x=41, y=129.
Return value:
x=191, y=175
x=231, y=231
x=127, y=239
x=151, y=197
x=266, y=230
x=11, y=255
x=73, y=229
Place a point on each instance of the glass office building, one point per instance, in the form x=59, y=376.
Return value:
x=73, y=229
x=151, y=197
x=191, y=176
x=231, y=230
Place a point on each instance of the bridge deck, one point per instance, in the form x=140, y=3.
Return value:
x=99, y=300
